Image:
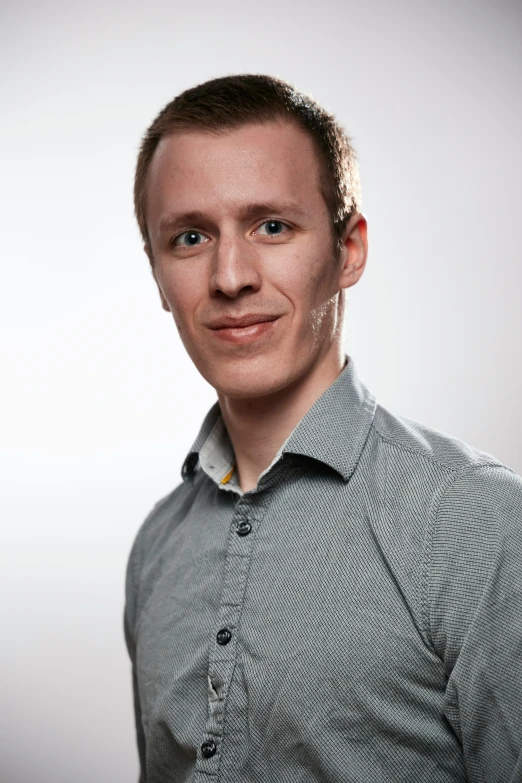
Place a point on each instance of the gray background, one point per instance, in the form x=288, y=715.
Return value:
x=100, y=402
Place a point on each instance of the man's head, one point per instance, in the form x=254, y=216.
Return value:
x=247, y=197
x=233, y=101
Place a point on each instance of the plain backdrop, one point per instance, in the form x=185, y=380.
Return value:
x=99, y=401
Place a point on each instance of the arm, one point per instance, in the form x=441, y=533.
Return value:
x=131, y=589
x=474, y=600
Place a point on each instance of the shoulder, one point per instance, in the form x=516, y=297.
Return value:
x=428, y=444
x=423, y=461
x=477, y=520
x=477, y=533
x=422, y=466
x=155, y=529
x=467, y=506
x=474, y=562
x=474, y=496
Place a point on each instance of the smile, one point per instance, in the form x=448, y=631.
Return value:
x=245, y=334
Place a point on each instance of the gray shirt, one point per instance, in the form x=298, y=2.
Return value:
x=356, y=617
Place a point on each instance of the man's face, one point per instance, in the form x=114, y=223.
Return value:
x=242, y=249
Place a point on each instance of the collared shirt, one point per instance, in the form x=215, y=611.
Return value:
x=356, y=617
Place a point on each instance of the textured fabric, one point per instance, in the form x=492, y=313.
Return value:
x=371, y=587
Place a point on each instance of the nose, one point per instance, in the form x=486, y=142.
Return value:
x=235, y=267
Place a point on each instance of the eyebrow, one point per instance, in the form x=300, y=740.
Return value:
x=246, y=212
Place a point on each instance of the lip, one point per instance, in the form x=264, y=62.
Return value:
x=244, y=330
x=239, y=323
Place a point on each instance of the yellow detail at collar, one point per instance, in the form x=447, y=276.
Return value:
x=229, y=475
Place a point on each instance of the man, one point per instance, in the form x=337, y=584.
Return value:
x=333, y=593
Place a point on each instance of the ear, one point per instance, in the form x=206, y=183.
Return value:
x=354, y=250
x=164, y=302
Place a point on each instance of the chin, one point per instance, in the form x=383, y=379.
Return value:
x=244, y=388
x=248, y=379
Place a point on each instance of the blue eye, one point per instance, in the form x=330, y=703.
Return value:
x=273, y=228
x=189, y=239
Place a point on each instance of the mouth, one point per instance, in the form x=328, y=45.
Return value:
x=244, y=330
x=239, y=323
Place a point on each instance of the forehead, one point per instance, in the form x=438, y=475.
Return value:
x=256, y=162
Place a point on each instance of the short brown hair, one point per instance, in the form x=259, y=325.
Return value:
x=229, y=102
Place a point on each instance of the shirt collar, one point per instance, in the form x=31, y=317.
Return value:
x=335, y=428
x=333, y=431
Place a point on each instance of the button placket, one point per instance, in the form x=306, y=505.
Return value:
x=223, y=649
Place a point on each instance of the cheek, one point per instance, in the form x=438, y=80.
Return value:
x=183, y=293
x=306, y=279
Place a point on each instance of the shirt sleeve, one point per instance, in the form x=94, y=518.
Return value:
x=474, y=606
x=129, y=618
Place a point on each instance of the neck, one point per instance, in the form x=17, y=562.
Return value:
x=259, y=426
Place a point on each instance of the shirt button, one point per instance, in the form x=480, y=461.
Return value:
x=243, y=528
x=208, y=749
x=223, y=636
